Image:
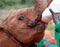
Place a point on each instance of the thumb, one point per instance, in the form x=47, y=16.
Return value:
x=51, y=11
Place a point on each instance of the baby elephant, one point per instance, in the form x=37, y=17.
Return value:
x=23, y=27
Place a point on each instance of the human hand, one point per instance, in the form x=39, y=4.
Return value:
x=56, y=16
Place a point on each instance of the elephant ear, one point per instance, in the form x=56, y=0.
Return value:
x=56, y=16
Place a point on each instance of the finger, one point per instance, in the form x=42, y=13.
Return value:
x=53, y=15
x=51, y=11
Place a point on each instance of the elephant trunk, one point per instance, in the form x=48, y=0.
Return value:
x=39, y=7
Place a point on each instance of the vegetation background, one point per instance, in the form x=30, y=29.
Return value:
x=15, y=4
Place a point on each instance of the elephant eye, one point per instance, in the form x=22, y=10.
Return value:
x=21, y=18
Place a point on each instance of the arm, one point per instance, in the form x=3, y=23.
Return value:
x=56, y=20
x=57, y=27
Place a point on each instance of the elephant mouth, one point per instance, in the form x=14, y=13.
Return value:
x=32, y=25
x=28, y=28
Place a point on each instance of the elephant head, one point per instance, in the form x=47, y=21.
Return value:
x=19, y=23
